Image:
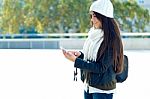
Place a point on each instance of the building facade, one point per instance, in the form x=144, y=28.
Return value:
x=144, y=3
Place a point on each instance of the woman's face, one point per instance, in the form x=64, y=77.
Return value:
x=96, y=23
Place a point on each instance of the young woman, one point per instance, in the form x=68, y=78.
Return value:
x=102, y=55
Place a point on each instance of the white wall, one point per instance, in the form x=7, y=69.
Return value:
x=128, y=43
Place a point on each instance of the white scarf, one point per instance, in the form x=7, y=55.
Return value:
x=92, y=44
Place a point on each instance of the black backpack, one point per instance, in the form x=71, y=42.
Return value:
x=123, y=76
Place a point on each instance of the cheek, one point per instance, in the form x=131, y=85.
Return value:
x=94, y=20
x=99, y=23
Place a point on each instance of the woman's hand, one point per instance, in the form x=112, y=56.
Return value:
x=76, y=53
x=69, y=55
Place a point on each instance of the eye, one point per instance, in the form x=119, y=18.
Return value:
x=92, y=15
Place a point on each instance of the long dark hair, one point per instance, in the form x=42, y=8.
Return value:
x=112, y=39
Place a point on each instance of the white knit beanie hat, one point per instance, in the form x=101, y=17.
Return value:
x=103, y=7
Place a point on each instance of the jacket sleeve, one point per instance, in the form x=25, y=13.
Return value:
x=99, y=66
x=81, y=56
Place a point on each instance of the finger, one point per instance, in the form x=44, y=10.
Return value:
x=76, y=53
x=70, y=52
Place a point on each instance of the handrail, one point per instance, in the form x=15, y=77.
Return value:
x=47, y=34
x=135, y=34
x=132, y=41
x=63, y=35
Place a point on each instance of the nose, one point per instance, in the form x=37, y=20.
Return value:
x=91, y=20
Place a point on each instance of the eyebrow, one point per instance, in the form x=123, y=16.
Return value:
x=92, y=14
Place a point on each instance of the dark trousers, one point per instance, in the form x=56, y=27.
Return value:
x=97, y=95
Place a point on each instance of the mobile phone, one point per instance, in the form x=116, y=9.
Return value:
x=63, y=49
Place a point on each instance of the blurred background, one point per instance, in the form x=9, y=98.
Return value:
x=67, y=16
x=49, y=24
x=21, y=21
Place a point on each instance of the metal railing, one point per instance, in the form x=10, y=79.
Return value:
x=48, y=35
x=76, y=40
x=65, y=35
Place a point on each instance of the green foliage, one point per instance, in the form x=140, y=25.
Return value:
x=131, y=16
x=44, y=15
x=47, y=16
x=9, y=17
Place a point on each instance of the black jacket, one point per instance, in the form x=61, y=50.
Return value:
x=100, y=73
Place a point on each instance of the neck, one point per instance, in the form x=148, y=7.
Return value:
x=97, y=27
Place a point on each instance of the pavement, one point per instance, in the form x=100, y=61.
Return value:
x=46, y=74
